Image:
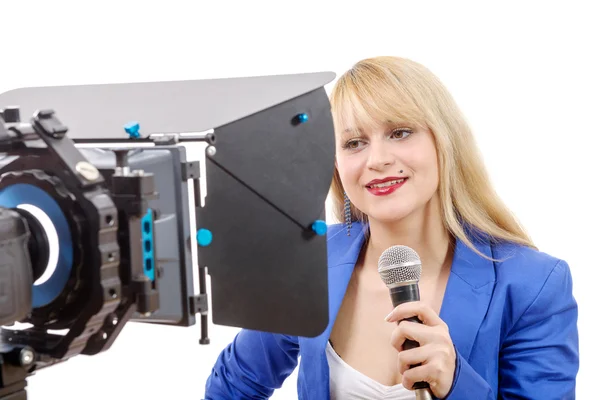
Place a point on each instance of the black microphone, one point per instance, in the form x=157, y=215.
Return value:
x=400, y=269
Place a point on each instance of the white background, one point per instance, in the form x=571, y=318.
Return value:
x=526, y=75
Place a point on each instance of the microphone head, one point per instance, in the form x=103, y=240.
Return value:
x=399, y=265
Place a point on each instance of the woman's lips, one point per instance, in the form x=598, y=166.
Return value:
x=387, y=187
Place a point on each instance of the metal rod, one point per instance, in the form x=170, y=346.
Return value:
x=204, y=339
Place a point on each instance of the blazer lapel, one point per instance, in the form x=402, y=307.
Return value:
x=468, y=293
x=344, y=254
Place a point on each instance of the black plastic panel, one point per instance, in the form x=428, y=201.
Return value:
x=265, y=273
x=290, y=165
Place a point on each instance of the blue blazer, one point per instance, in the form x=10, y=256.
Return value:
x=513, y=323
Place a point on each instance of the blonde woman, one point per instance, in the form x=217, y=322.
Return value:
x=499, y=317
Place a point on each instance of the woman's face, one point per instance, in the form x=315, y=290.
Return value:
x=388, y=171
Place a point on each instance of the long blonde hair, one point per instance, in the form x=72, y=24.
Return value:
x=394, y=89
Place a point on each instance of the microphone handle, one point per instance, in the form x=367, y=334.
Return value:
x=403, y=294
x=423, y=394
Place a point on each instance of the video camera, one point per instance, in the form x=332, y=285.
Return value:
x=103, y=219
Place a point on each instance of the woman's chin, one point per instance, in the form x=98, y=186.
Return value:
x=388, y=216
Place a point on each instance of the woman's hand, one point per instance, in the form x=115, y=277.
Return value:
x=436, y=352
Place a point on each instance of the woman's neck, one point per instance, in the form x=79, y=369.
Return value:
x=423, y=231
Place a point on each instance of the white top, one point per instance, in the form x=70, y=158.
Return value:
x=346, y=383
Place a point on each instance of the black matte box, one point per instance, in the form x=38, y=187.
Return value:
x=266, y=185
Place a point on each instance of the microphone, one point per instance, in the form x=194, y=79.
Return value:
x=400, y=269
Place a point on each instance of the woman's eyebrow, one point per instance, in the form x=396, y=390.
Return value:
x=351, y=132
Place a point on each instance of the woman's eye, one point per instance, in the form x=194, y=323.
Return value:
x=352, y=144
x=401, y=133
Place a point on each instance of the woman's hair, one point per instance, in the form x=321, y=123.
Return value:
x=396, y=90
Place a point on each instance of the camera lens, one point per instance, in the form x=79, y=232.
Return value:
x=38, y=245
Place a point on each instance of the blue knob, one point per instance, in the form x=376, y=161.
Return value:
x=204, y=237
x=133, y=129
x=302, y=118
x=319, y=227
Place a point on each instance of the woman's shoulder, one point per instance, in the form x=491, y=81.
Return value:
x=533, y=284
x=333, y=230
x=517, y=263
x=344, y=243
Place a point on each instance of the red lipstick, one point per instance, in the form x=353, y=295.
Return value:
x=383, y=187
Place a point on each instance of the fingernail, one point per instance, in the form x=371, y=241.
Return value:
x=388, y=317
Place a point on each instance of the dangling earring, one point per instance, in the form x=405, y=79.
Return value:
x=347, y=214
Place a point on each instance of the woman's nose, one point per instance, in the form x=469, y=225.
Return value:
x=380, y=156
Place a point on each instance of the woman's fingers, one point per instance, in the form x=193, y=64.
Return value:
x=408, y=330
x=415, y=308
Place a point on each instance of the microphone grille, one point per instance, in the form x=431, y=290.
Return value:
x=399, y=264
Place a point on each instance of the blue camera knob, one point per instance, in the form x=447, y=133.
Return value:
x=319, y=227
x=132, y=129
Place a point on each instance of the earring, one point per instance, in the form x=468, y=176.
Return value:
x=347, y=214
